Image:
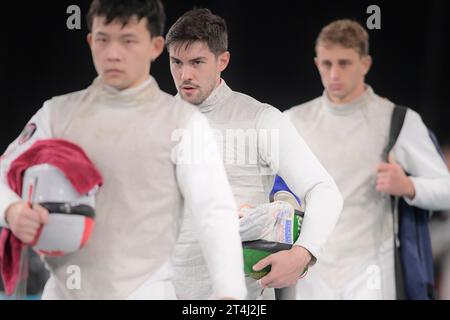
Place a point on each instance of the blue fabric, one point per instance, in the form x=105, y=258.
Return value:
x=415, y=252
x=280, y=185
x=415, y=248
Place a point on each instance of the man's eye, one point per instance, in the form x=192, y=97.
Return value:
x=198, y=62
x=101, y=40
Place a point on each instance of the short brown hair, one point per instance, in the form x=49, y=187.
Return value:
x=347, y=33
x=200, y=25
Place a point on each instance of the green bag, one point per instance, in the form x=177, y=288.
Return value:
x=256, y=250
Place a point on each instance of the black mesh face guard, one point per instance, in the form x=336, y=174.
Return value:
x=299, y=213
x=69, y=208
x=269, y=246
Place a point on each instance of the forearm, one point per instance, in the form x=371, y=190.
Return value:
x=431, y=194
x=208, y=196
x=309, y=180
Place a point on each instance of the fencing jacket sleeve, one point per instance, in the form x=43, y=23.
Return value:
x=37, y=128
x=294, y=161
x=207, y=194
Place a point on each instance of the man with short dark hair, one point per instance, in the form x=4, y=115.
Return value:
x=348, y=130
x=133, y=132
x=257, y=143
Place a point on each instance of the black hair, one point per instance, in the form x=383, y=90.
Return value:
x=124, y=10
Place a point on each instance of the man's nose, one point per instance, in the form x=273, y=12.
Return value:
x=113, y=52
x=186, y=73
x=335, y=72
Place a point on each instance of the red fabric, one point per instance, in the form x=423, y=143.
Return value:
x=10, y=249
x=79, y=170
x=66, y=156
x=88, y=226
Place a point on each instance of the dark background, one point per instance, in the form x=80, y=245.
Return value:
x=272, y=54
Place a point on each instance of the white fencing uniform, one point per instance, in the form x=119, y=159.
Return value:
x=133, y=138
x=257, y=142
x=358, y=260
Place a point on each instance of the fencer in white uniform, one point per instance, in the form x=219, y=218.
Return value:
x=347, y=128
x=138, y=138
x=257, y=142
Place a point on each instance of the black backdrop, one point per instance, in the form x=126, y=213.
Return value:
x=272, y=53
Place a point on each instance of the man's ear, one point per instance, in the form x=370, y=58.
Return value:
x=367, y=64
x=89, y=39
x=224, y=60
x=157, y=47
x=316, y=62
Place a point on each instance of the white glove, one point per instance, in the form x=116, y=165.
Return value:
x=270, y=221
